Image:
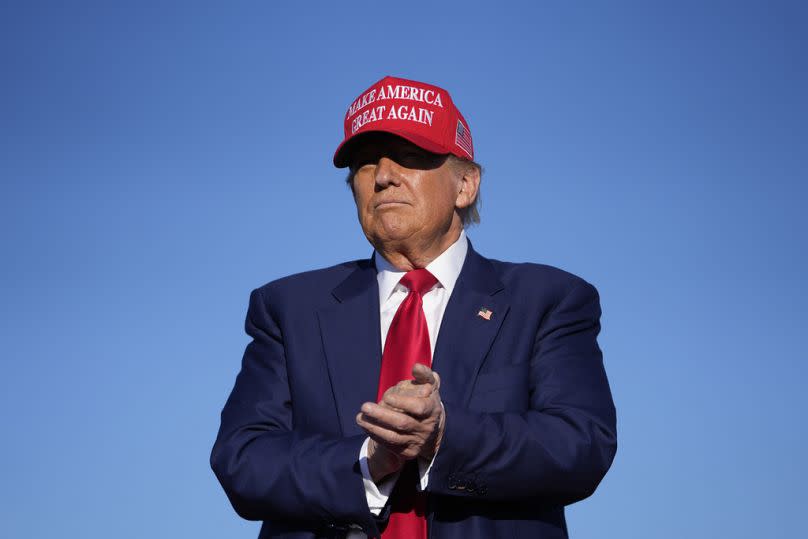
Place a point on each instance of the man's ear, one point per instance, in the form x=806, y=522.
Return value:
x=469, y=184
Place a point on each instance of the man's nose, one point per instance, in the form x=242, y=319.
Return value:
x=386, y=173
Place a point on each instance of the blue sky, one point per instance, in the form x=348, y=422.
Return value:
x=158, y=160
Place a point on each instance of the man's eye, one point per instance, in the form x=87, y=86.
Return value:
x=361, y=163
x=363, y=167
x=410, y=158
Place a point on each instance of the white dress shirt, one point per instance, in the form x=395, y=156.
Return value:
x=446, y=269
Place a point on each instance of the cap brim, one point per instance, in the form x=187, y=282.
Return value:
x=343, y=154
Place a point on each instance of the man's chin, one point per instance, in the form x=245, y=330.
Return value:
x=394, y=224
x=392, y=234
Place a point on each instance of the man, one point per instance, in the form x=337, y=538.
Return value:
x=427, y=391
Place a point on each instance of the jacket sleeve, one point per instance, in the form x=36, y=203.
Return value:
x=561, y=447
x=270, y=471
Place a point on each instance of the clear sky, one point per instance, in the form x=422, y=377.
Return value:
x=159, y=160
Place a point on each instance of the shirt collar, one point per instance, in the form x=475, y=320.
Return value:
x=446, y=268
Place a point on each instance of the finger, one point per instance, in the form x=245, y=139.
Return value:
x=388, y=438
x=415, y=406
x=422, y=374
x=405, y=387
x=405, y=446
x=402, y=446
x=409, y=388
x=388, y=419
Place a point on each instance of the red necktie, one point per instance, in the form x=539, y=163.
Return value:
x=407, y=343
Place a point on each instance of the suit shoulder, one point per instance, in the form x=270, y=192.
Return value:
x=525, y=276
x=312, y=283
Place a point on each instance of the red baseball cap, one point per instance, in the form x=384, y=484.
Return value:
x=421, y=113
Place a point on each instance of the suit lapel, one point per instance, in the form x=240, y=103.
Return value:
x=352, y=343
x=465, y=336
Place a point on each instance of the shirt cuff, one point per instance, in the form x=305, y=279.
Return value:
x=425, y=466
x=376, y=495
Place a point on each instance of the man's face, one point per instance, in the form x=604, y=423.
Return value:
x=402, y=192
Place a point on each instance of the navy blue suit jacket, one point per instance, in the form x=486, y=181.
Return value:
x=530, y=423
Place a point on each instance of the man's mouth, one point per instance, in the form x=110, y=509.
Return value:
x=389, y=204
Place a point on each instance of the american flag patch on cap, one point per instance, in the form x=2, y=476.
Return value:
x=463, y=138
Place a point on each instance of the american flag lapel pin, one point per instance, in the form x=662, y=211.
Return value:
x=485, y=313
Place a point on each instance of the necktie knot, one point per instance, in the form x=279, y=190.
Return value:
x=419, y=281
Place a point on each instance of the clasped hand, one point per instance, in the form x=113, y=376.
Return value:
x=407, y=423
